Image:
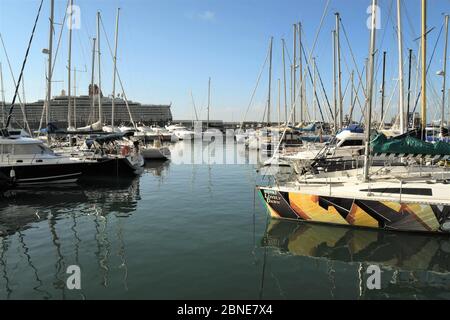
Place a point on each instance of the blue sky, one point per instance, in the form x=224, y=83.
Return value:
x=169, y=47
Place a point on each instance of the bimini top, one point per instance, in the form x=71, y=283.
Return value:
x=355, y=128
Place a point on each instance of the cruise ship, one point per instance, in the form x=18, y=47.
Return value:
x=85, y=114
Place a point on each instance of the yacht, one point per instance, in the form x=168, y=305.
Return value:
x=155, y=152
x=29, y=161
x=181, y=132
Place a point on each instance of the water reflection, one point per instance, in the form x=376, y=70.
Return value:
x=411, y=262
x=157, y=167
x=64, y=217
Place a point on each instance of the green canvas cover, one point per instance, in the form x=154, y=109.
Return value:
x=408, y=145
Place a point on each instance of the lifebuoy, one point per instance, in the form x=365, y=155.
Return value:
x=125, y=150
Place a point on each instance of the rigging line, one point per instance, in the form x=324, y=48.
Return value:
x=388, y=106
x=287, y=53
x=193, y=103
x=357, y=91
x=301, y=82
x=60, y=36
x=323, y=89
x=312, y=82
x=322, y=19
x=379, y=61
x=22, y=104
x=254, y=90
x=356, y=98
x=408, y=18
x=383, y=37
x=315, y=93
x=55, y=56
x=83, y=51
x=429, y=64
x=353, y=58
x=118, y=74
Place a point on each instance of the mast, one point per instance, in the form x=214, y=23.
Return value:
x=333, y=33
x=284, y=76
x=69, y=67
x=401, y=105
x=279, y=102
x=2, y=90
x=409, y=89
x=424, y=67
x=370, y=90
x=300, y=58
x=314, y=88
x=92, y=77
x=294, y=75
x=444, y=74
x=75, y=98
x=100, y=111
x=49, y=66
x=383, y=87
x=113, y=102
x=209, y=101
x=350, y=116
x=270, y=83
x=339, y=72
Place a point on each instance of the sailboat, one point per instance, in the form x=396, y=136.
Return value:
x=412, y=198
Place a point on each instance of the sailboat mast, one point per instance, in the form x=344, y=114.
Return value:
x=279, y=101
x=352, y=80
x=409, y=89
x=339, y=72
x=314, y=87
x=370, y=90
x=284, y=77
x=75, y=98
x=113, y=102
x=294, y=73
x=383, y=87
x=424, y=67
x=270, y=83
x=49, y=61
x=444, y=75
x=2, y=90
x=69, y=69
x=300, y=70
x=92, y=77
x=100, y=111
x=333, y=33
x=401, y=108
x=209, y=102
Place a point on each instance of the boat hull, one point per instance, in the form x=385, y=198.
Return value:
x=386, y=215
x=120, y=167
x=45, y=173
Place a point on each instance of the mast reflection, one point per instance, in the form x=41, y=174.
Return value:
x=62, y=209
x=408, y=261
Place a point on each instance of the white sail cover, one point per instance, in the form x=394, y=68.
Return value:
x=97, y=126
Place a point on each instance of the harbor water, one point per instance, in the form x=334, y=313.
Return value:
x=199, y=231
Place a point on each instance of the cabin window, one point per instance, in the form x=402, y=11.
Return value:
x=23, y=149
x=5, y=148
x=46, y=150
x=348, y=143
